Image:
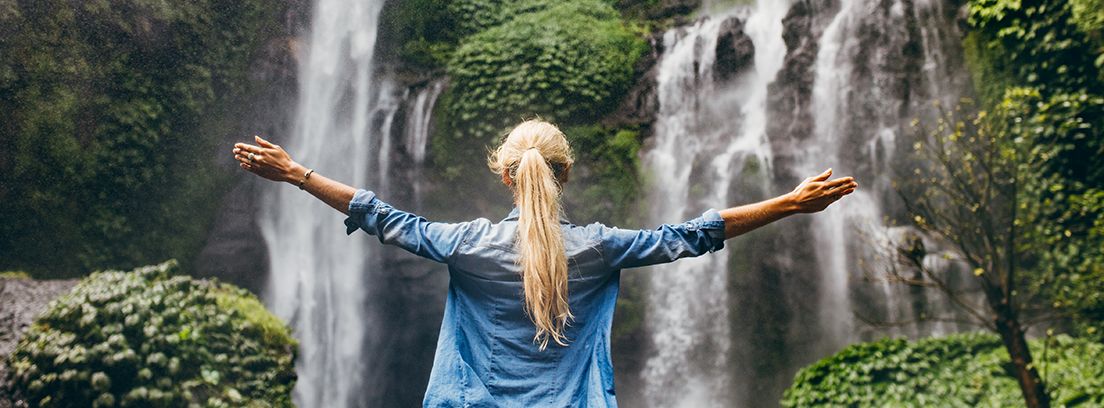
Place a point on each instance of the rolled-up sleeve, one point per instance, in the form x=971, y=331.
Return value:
x=433, y=240
x=635, y=248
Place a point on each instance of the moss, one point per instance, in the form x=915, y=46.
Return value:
x=14, y=275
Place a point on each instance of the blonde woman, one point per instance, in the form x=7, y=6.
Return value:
x=531, y=297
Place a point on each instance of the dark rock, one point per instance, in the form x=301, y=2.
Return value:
x=640, y=104
x=791, y=93
x=236, y=251
x=735, y=51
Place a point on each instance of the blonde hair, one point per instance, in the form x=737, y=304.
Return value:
x=536, y=157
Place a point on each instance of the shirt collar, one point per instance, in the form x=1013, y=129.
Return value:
x=513, y=216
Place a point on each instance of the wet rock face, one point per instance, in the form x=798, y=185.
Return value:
x=735, y=51
x=235, y=251
x=791, y=93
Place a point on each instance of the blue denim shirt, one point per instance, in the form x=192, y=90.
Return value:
x=486, y=356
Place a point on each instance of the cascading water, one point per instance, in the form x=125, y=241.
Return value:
x=731, y=330
x=698, y=142
x=866, y=111
x=417, y=130
x=317, y=282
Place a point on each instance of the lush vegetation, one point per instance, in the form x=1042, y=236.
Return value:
x=147, y=338
x=1010, y=185
x=566, y=61
x=1040, y=63
x=966, y=370
x=111, y=111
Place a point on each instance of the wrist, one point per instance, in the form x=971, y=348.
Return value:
x=295, y=174
x=788, y=203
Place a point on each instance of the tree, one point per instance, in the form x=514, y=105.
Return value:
x=981, y=193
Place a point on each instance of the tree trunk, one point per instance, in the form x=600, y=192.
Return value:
x=1031, y=385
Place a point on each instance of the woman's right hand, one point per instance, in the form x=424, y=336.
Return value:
x=816, y=193
x=268, y=160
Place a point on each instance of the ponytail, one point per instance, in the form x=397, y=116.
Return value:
x=536, y=156
x=541, y=248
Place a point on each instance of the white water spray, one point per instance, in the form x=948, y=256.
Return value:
x=317, y=271
x=698, y=144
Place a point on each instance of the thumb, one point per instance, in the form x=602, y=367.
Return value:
x=823, y=176
x=264, y=143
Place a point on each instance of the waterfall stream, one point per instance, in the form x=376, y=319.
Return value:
x=706, y=128
x=317, y=279
x=730, y=330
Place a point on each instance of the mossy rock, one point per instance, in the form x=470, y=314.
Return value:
x=146, y=338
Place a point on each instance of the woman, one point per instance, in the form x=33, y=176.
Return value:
x=531, y=298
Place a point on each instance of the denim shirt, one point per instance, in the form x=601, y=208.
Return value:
x=486, y=356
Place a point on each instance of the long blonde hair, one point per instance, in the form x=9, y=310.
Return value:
x=536, y=157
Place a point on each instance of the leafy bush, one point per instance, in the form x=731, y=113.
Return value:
x=145, y=338
x=566, y=61
x=966, y=370
x=1039, y=42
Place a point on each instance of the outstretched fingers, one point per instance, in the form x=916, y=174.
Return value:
x=842, y=186
x=822, y=176
x=265, y=143
x=842, y=181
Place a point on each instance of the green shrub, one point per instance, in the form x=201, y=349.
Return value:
x=566, y=61
x=146, y=338
x=967, y=370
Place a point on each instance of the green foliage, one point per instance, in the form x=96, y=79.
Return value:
x=605, y=179
x=966, y=370
x=422, y=32
x=147, y=338
x=473, y=16
x=1061, y=214
x=1089, y=17
x=111, y=112
x=566, y=61
x=1038, y=42
x=1057, y=49
x=1004, y=187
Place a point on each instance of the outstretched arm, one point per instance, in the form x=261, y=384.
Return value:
x=272, y=162
x=812, y=195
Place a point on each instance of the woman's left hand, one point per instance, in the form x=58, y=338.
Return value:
x=267, y=160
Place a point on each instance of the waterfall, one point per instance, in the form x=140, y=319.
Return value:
x=341, y=127
x=417, y=131
x=731, y=330
x=706, y=129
